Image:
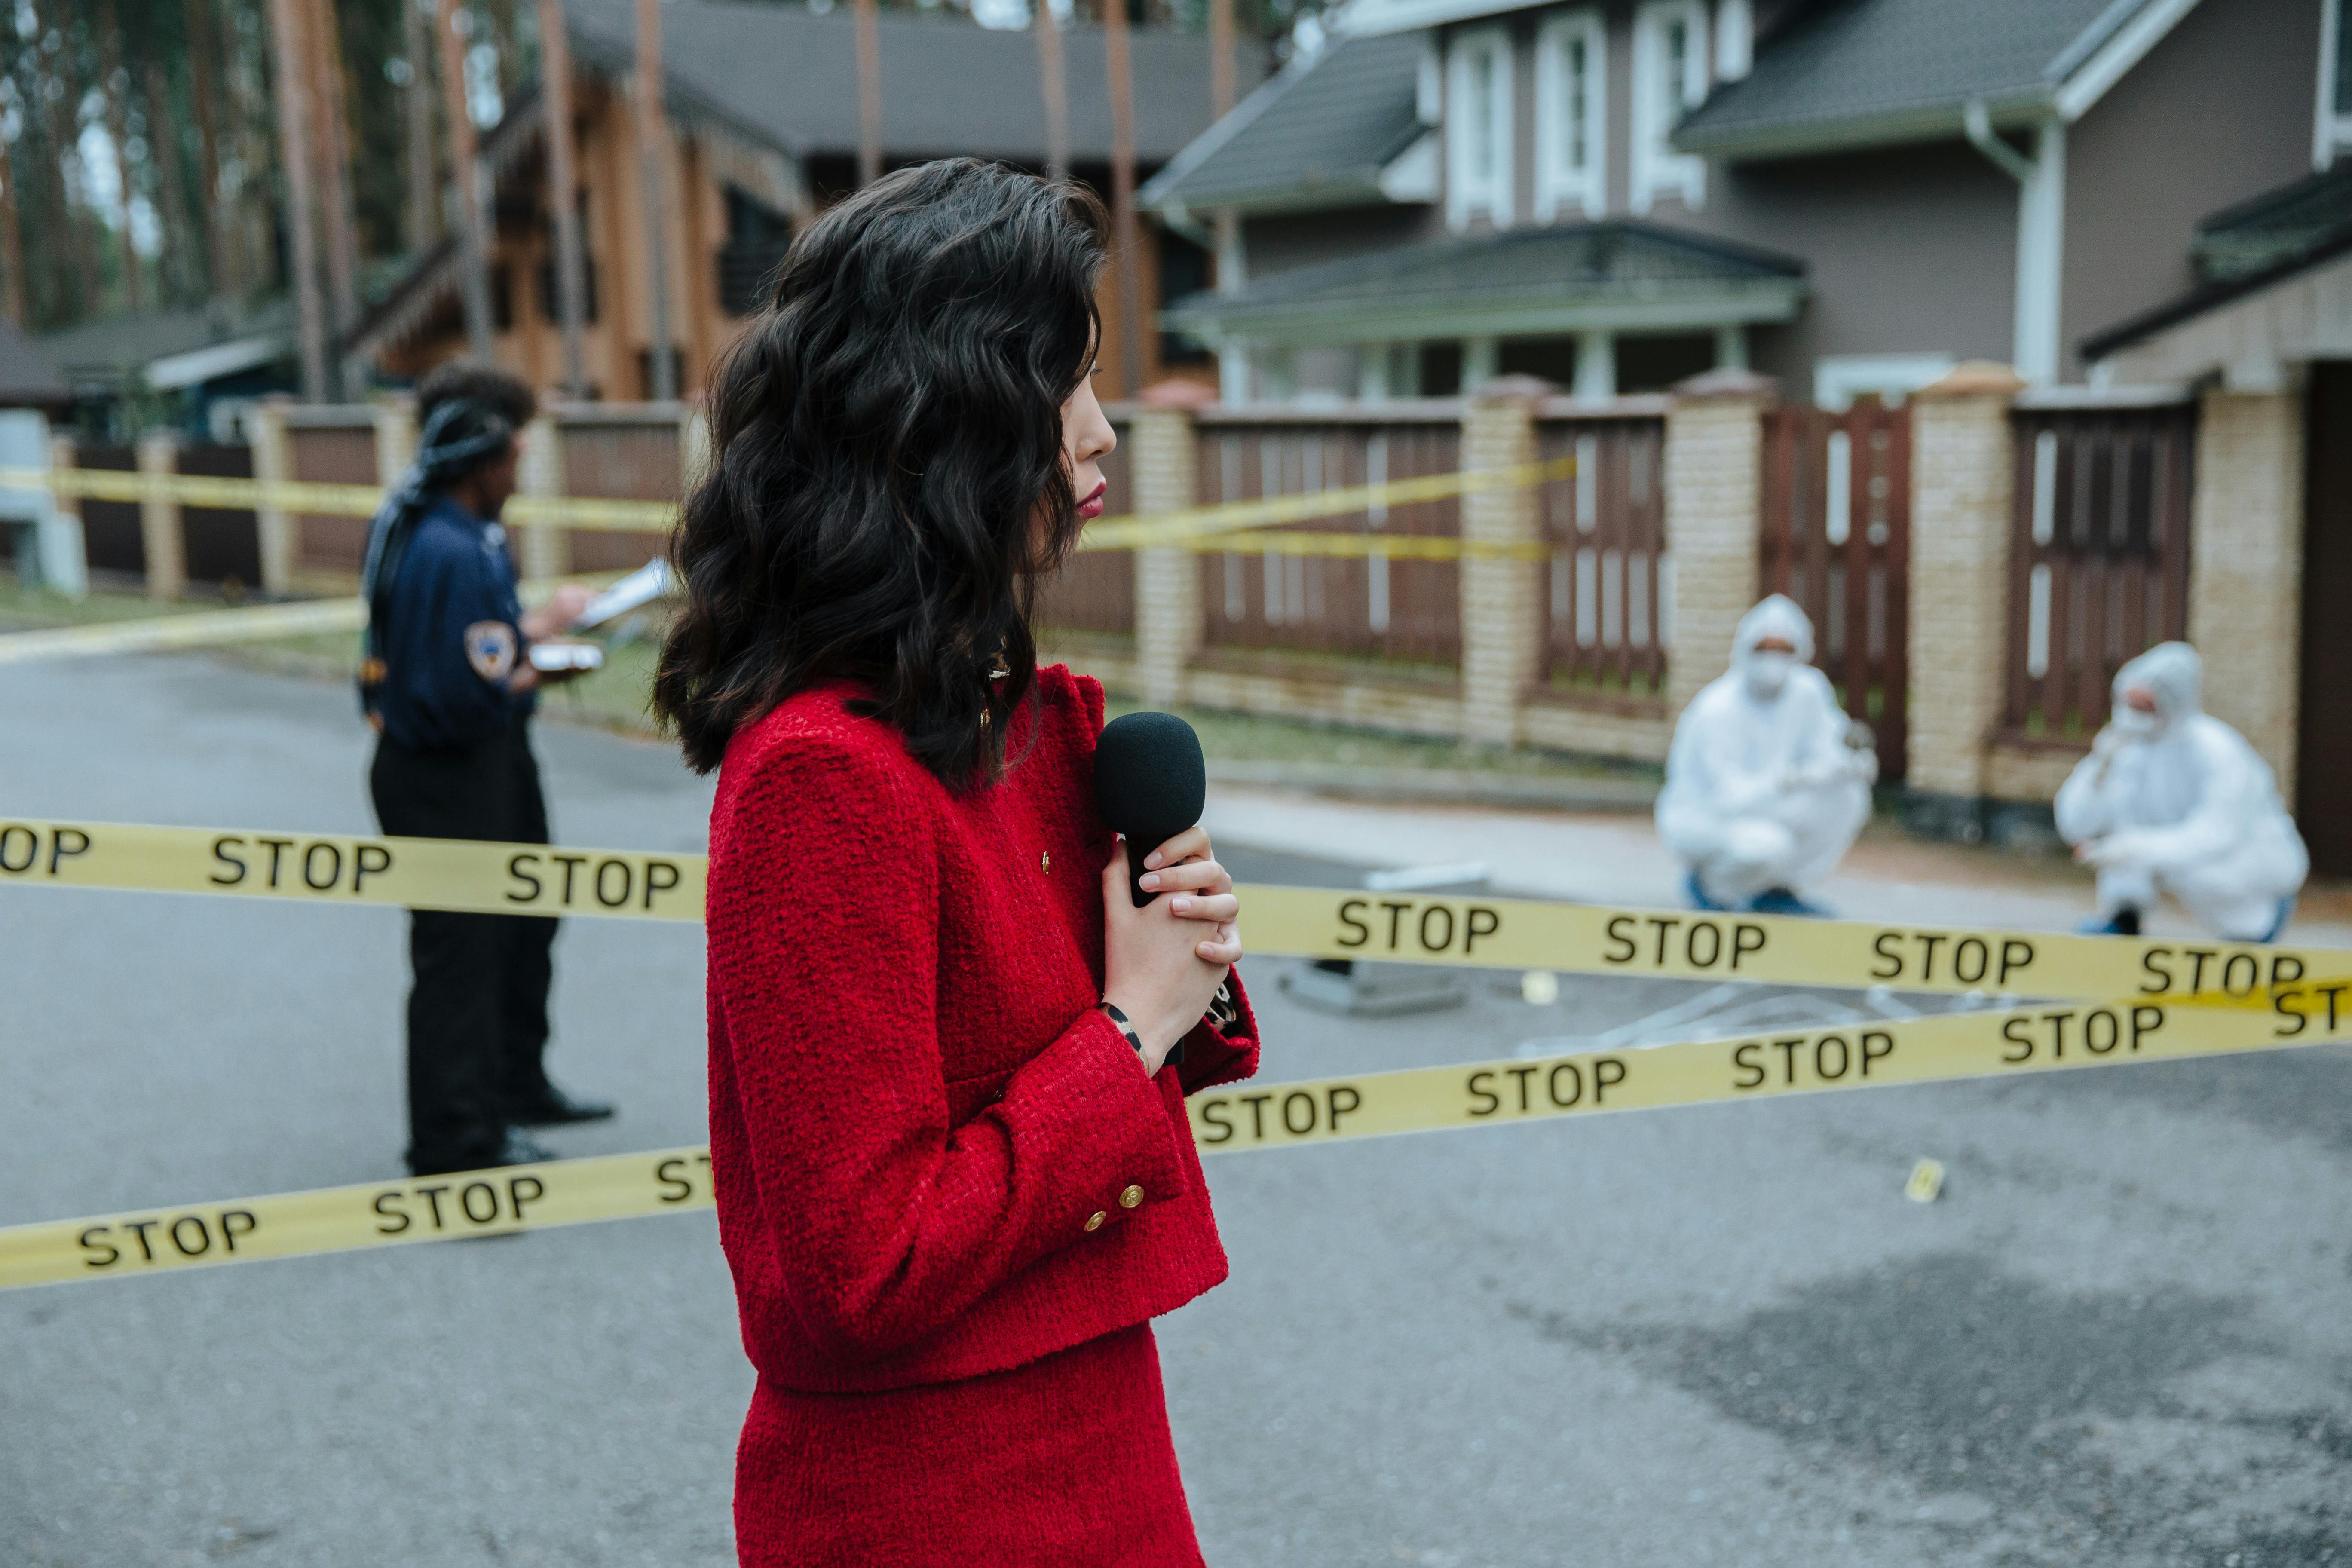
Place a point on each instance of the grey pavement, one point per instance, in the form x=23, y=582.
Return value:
x=1712, y=1335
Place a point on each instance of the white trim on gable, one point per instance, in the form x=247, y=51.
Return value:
x=2124, y=49
x=1478, y=127
x=1370, y=18
x=1572, y=115
x=1412, y=174
x=1659, y=102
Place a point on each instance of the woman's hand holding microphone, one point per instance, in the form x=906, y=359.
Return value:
x=1161, y=967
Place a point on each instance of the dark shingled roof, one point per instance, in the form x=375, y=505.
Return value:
x=1602, y=262
x=1854, y=70
x=2247, y=248
x=1317, y=134
x=2277, y=225
x=28, y=372
x=788, y=77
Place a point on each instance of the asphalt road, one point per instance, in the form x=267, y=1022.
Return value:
x=1712, y=1335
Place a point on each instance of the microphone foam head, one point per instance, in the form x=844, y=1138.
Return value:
x=1151, y=782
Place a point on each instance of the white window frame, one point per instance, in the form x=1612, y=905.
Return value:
x=2331, y=133
x=1657, y=169
x=1467, y=195
x=1558, y=184
x=1735, y=39
x=1839, y=379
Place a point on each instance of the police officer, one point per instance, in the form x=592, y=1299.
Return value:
x=448, y=685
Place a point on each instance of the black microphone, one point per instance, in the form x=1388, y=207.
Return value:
x=1150, y=784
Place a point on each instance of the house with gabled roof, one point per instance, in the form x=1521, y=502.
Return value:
x=762, y=105
x=1851, y=195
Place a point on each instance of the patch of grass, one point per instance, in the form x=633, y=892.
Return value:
x=613, y=698
x=24, y=607
x=617, y=696
x=1248, y=738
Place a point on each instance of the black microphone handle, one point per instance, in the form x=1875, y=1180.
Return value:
x=1136, y=850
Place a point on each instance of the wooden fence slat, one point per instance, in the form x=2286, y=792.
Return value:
x=1854, y=589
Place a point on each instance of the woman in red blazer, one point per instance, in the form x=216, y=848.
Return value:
x=955, y=1179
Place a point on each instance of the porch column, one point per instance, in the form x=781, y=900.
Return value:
x=1480, y=357
x=64, y=553
x=1963, y=483
x=1234, y=373
x=160, y=535
x=273, y=524
x=1731, y=347
x=1168, y=614
x=2245, y=573
x=1714, y=498
x=1501, y=606
x=1596, y=364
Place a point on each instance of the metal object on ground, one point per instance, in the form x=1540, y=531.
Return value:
x=1362, y=989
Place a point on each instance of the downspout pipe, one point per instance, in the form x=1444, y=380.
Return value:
x=1978, y=123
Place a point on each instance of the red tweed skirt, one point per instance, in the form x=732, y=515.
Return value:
x=1066, y=1460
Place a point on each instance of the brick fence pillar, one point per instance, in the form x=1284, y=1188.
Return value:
x=546, y=552
x=160, y=537
x=394, y=419
x=273, y=523
x=2245, y=573
x=1501, y=606
x=1715, y=508
x=1963, y=483
x=1165, y=458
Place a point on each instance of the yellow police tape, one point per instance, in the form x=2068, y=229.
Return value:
x=213, y=628
x=1305, y=922
x=327, y=868
x=1189, y=529
x=1990, y=1043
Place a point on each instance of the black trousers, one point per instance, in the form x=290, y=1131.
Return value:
x=477, y=1004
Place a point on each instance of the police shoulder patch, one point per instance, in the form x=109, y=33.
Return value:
x=490, y=648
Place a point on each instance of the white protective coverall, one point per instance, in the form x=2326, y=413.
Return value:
x=2175, y=800
x=1763, y=793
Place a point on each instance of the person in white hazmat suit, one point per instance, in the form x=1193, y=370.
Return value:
x=1765, y=793
x=2173, y=800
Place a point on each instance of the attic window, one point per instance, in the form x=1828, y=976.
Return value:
x=1478, y=127
x=2332, y=135
x=1670, y=80
x=1571, y=116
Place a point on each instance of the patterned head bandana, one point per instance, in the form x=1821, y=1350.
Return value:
x=458, y=436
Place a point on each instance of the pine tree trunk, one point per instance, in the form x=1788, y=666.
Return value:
x=118, y=126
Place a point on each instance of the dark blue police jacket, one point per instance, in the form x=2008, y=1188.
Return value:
x=452, y=636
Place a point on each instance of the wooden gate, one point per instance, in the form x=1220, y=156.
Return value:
x=1837, y=539
x=2099, y=558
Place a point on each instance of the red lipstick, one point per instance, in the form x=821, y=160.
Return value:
x=1092, y=507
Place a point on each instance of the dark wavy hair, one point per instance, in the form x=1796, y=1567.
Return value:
x=885, y=434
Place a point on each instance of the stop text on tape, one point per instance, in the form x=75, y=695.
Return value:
x=413, y=873
x=1990, y=1043
x=1281, y=922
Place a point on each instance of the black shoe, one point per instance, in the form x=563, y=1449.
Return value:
x=553, y=1108
x=517, y=1149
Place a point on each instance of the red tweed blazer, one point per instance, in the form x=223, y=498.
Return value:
x=921, y=1132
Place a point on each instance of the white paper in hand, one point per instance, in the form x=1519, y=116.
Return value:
x=640, y=587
